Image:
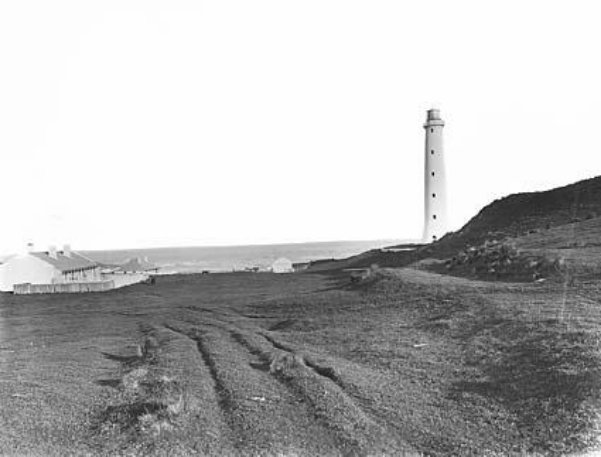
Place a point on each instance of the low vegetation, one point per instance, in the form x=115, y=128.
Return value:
x=502, y=261
x=485, y=343
x=401, y=361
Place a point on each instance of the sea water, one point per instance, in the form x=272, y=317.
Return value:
x=233, y=258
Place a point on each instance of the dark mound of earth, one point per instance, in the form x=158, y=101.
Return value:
x=519, y=214
x=509, y=217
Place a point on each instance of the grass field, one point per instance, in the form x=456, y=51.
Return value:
x=406, y=362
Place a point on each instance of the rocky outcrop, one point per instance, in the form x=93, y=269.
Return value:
x=496, y=260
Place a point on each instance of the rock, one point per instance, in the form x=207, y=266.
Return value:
x=131, y=381
x=282, y=361
x=151, y=347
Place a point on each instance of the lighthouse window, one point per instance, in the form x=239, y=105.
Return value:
x=432, y=173
x=434, y=216
x=433, y=195
x=431, y=130
x=432, y=152
x=434, y=237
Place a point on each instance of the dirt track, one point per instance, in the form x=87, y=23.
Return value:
x=253, y=394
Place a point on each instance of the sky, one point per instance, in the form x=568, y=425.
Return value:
x=172, y=123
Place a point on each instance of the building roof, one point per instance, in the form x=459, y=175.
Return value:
x=282, y=261
x=138, y=264
x=63, y=263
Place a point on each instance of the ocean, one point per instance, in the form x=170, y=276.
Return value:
x=229, y=258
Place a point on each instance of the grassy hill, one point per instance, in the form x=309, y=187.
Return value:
x=518, y=214
x=508, y=218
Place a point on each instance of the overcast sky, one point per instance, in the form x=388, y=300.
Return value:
x=157, y=123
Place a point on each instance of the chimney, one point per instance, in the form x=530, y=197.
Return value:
x=67, y=250
x=52, y=252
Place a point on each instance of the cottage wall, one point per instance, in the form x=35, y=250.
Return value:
x=125, y=279
x=22, y=269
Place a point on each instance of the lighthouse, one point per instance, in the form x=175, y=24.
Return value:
x=435, y=188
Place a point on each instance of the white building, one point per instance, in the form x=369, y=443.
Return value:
x=435, y=184
x=282, y=265
x=49, y=267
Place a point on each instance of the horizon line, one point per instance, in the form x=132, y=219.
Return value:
x=403, y=240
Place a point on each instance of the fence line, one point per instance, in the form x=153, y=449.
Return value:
x=63, y=288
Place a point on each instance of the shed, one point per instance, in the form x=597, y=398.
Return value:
x=282, y=265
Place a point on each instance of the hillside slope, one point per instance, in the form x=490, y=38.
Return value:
x=518, y=214
x=578, y=244
x=507, y=218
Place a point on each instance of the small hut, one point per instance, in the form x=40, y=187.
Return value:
x=282, y=265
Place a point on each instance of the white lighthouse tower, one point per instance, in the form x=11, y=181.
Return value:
x=435, y=184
